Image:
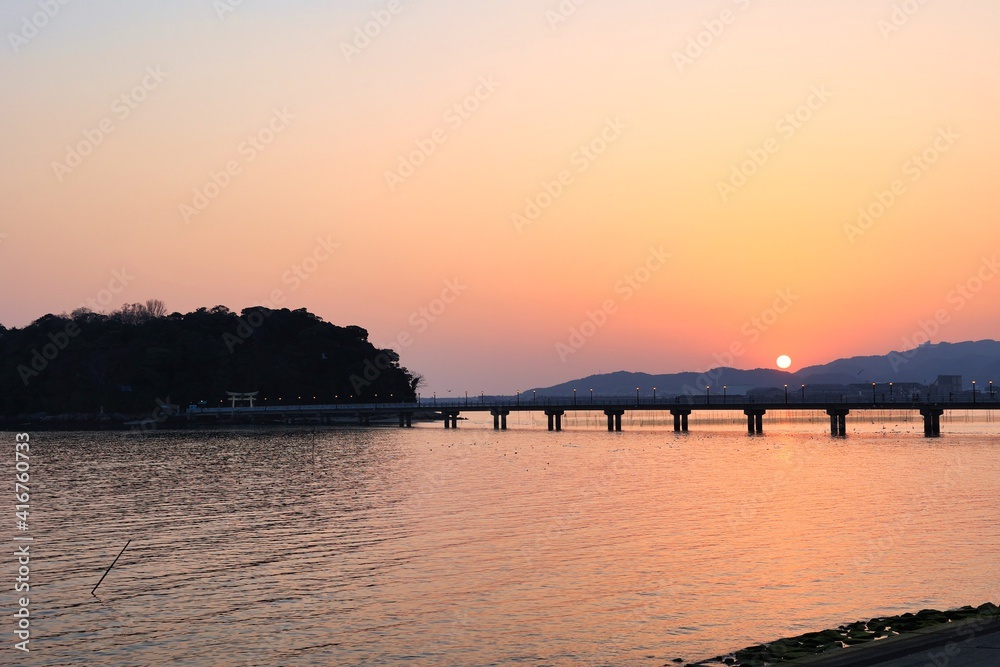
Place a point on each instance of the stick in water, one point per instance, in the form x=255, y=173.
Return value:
x=112, y=565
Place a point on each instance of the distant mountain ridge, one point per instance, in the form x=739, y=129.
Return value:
x=973, y=360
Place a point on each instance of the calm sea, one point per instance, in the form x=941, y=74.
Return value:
x=428, y=546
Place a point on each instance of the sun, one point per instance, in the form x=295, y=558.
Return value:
x=784, y=361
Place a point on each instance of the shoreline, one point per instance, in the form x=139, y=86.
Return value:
x=124, y=423
x=861, y=642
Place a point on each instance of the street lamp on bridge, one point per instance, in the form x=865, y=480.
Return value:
x=786, y=393
x=591, y=396
x=637, y=396
x=803, y=393
x=892, y=400
x=723, y=393
x=873, y=393
x=708, y=396
x=574, y=396
x=654, y=394
x=973, y=391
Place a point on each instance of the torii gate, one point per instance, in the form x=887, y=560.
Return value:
x=248, y=396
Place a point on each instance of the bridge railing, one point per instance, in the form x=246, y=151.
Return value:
x=737, y=402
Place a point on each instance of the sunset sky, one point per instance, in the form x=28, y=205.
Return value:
x=514, y=194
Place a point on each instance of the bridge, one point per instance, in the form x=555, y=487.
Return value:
x=555, y=409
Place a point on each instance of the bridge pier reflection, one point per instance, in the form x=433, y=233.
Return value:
x=555, y=419
x=755, y=421
x=932, y=422
x=614, y=419
x=680, y=419
x=838, y=422
x=499, y=419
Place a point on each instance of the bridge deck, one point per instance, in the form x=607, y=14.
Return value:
x=449, y=411
x=598, y=406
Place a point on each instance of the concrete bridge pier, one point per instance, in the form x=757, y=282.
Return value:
x=555, y=419
x=499, y=419
x=755, y=421
x=405, y=420
x=838, y=422
x=932, y=422
x=451, y=419
x=680, y=419
x=614, y=419
x=364, y=420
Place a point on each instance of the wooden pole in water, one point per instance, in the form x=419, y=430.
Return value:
x=111, y=566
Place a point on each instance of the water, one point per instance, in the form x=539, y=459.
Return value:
x=469, y=547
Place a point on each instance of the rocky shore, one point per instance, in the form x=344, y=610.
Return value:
x=852, y=634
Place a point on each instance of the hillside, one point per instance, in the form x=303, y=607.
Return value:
x=129, y=360
x=972, y=360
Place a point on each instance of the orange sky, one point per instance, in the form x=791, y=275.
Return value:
x=391, y=181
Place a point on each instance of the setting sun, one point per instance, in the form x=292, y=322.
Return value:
x=784, y=361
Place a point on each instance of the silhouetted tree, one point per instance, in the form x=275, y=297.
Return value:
x=155, y=308
x=126, y=360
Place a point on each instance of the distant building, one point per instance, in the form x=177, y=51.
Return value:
x=949, y=382
x=946, y=387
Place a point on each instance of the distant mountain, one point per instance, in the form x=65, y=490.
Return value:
x=978, y=360
x=972, y=360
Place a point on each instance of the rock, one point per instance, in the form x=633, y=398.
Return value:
x=795, y=655
x=858, y=632
x=988, y=609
